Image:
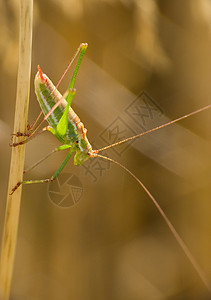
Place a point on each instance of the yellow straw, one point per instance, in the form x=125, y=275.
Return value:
x=17, y=158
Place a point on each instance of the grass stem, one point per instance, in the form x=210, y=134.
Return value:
x=10, y=230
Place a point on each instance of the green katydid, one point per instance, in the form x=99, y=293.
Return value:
x=69, y=130
x=63, y=121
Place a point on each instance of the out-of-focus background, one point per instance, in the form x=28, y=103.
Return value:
x=95, y=234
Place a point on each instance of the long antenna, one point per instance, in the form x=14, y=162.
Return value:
x=180, y=241
x=154, y=129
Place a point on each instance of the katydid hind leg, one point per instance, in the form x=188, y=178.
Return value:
x=62, y=126
x=68, y=94
x=81, y=46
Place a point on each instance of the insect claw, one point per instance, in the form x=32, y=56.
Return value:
x=18, y=134
x=15, y=187
x=16, y=144
x=28, y=126
x=13, y=144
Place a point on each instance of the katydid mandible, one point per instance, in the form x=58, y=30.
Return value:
x=66, y=126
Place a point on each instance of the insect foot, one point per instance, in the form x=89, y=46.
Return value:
x=16, y=144
x=18, y=134
x=15, y=187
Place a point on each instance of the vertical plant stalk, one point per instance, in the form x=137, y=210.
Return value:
x=17, y=158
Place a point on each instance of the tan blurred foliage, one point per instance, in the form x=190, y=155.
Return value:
x=113, y=244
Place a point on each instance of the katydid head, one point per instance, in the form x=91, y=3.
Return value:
x=83, y=151
x=80, y=157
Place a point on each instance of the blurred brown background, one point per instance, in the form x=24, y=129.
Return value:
x=113, y=244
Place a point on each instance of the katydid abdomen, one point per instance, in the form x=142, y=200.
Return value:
x=48, y=96
x=75, y=134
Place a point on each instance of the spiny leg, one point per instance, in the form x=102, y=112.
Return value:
x=32, y=125
x=60, y=148
x=82, y=48
x=56, y=174
x=47, y=128
x=33, y=134
x=61, y=126
x=69, y=94
x=29, y=130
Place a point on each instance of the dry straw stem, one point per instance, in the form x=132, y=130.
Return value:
x=17, y=158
